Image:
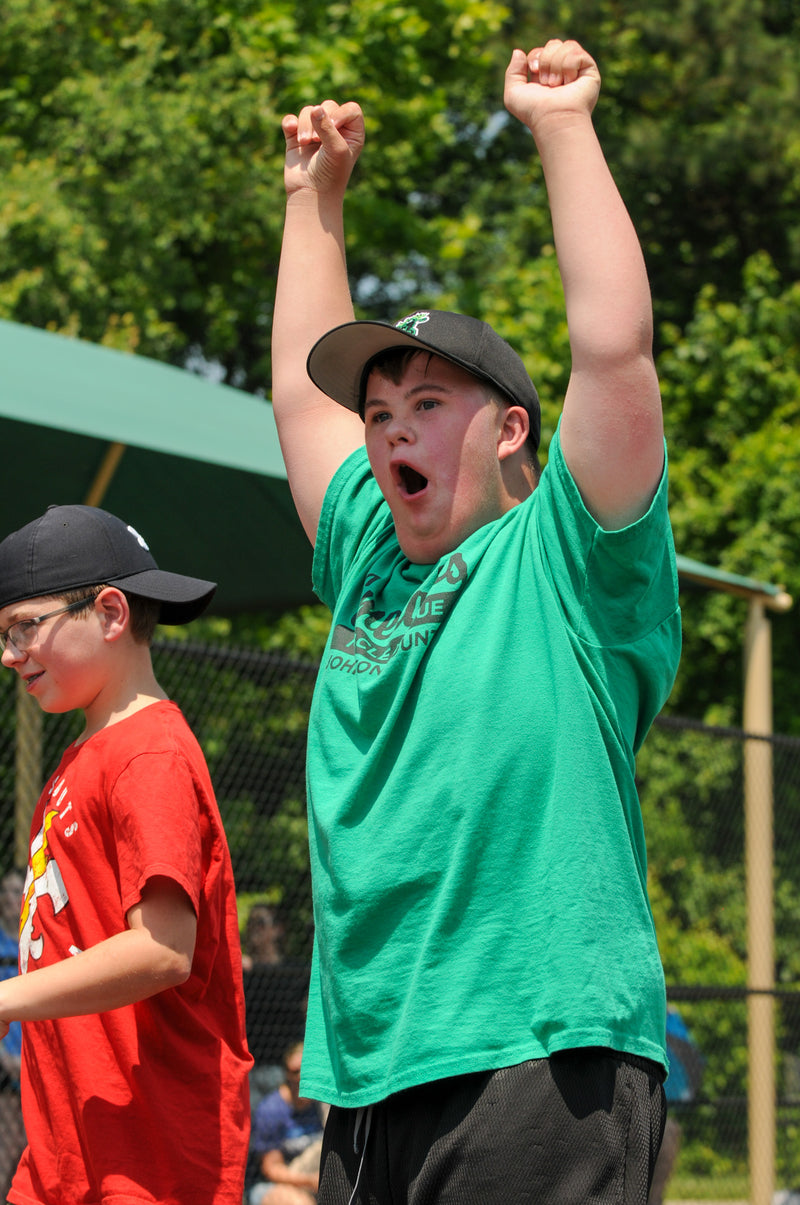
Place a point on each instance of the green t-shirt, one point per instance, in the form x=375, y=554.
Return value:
x=477, y=852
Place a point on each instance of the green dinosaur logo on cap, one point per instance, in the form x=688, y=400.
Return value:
x=411, y=324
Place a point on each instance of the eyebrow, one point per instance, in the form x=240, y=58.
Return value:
x=16, y=617
x=424, y=387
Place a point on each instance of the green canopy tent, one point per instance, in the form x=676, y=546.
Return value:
x=195, y=466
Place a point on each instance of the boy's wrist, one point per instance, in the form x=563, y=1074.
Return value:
x=309, y=200
x=562, y=123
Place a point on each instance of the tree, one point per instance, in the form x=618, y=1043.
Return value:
x=699, y=118
x=731, y=385
x=142, y=156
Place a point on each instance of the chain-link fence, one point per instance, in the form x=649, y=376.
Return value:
x=694, y=791
x=250, y=709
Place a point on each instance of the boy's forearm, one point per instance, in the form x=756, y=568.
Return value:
x=611, y=430
x=323, y=143
x=606, y=290
x=312, y=293
x=125, y=968
x=312, y=296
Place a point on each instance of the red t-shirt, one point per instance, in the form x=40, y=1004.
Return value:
x=148, y=1102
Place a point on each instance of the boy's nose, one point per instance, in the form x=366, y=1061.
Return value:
x=11, y=655
x=400, y=431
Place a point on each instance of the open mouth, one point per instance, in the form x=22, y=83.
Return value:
x=411, y=481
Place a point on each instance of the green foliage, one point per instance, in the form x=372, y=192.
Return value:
x=142, y=185
x=299, y=634
x=142, y=156
x=699, y=117
x=731, y=386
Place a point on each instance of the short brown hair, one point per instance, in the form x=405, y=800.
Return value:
x=144, y=611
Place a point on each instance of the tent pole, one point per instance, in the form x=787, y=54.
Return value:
x=758, y=869
x=97, y=490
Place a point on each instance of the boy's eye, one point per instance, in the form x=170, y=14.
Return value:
x=20, y=634
x=428, y=403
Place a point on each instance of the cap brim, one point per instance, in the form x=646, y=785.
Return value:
x=337, y=361
x=182, y=598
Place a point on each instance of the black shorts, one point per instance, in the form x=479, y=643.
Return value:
x=580, y=1128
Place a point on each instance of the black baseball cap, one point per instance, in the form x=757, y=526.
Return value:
x=339, y=363
x=69, y=547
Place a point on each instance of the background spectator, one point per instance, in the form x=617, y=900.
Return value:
x=263, y=935
x=286, y=1142
x=275, y=996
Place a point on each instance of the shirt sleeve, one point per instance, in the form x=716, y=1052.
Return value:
x=618, y=591
x=156, y=820
x=616, y=586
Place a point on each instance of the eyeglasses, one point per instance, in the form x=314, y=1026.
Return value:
x=23, y=633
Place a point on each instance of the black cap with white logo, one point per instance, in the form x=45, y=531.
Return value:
x=339, y=362
x=69, y=547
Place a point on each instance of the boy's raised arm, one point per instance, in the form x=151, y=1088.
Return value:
x=612, y=432
x=323, y=143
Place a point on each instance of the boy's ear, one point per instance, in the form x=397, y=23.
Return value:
x=515, y=425
x=112, y=607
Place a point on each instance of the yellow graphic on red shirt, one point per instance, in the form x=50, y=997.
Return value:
x=43, y=879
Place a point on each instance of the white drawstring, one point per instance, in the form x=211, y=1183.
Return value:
x=360, y=1115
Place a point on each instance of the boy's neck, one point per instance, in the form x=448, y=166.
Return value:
x=118, y=701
